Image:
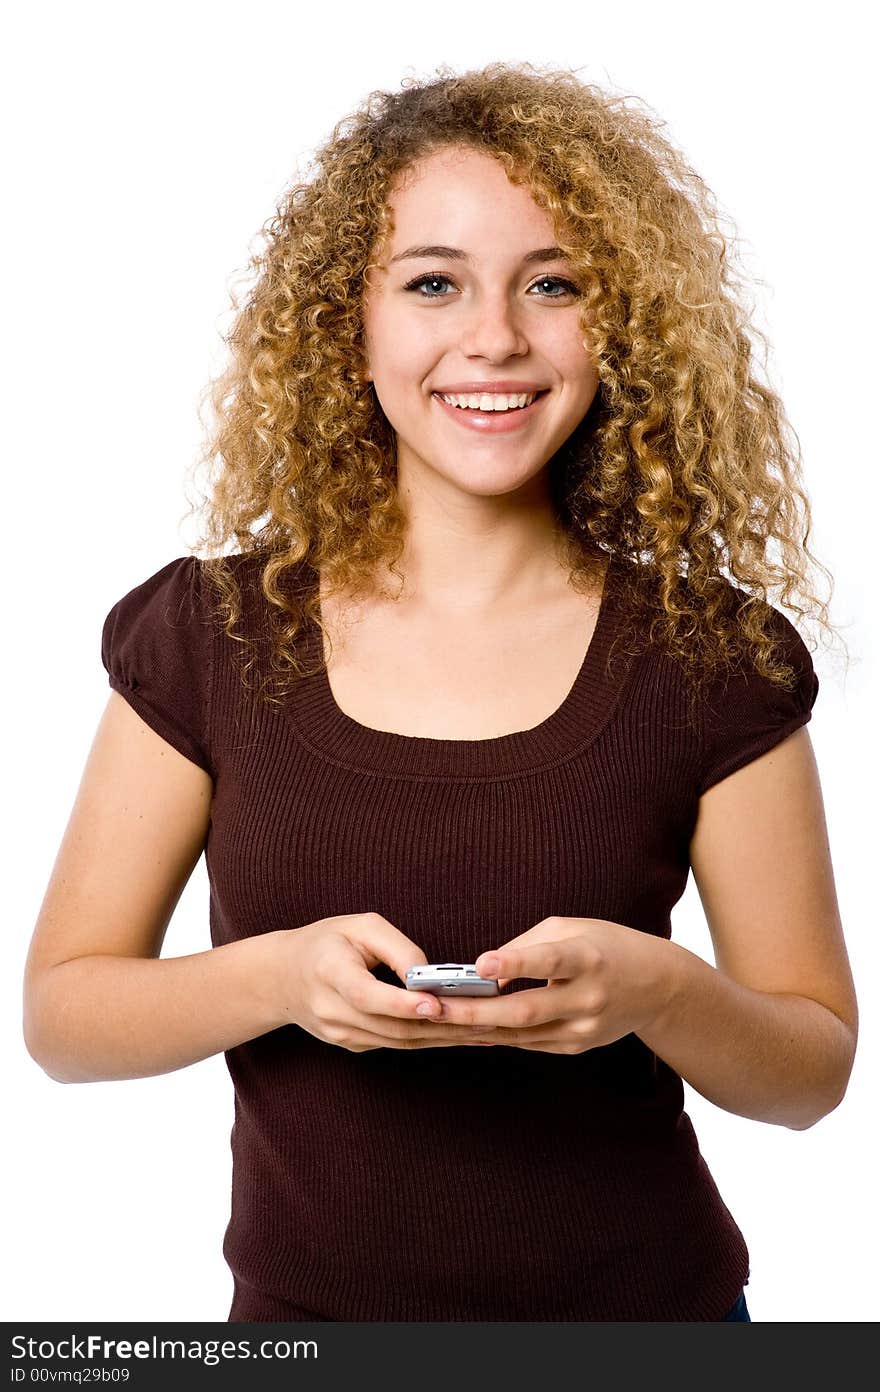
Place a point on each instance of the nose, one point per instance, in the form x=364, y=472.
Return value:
x=493, y=330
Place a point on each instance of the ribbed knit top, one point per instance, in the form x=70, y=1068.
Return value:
x=455, y=1184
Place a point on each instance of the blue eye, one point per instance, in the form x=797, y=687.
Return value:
x=431, y=279
x=567, y=286
x=435, y=277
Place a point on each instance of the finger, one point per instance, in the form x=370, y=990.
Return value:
x=540, y=961
x=519, y=1039
x=429, y=1029
x=522, y=1010
x=364, y=1001
x=360, y=1040
x=394, y=1026
x=381, y=942
x=360, y=989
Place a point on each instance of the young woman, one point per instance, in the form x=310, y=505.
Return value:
x=472, y=686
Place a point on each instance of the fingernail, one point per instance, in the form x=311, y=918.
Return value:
x=425, y=1009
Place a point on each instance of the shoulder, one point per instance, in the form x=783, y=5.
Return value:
x=746, y=713
x=640, y=584
x=735, y=711
x=157, y=652
x=169, y=598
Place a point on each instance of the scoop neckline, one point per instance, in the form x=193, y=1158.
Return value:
x=584, y=710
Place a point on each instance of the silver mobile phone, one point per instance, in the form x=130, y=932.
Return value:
x=450, y=979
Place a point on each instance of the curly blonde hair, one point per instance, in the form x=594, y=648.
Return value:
x=684, y=464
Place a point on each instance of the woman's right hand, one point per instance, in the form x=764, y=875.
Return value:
x=324, y=983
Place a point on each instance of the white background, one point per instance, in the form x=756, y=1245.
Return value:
x=147, y=146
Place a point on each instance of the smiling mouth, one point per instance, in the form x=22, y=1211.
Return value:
x=510, y=420
x=500, y=403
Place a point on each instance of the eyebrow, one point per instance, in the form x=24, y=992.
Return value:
x=552, y=253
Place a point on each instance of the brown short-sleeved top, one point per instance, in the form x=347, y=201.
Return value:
x=455, y=1184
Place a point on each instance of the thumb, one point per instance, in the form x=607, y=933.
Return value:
x=382, y=942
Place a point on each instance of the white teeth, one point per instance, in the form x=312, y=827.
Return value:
x=496, y=401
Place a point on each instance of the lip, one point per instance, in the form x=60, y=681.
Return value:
x=504, y=384
x=493, y=422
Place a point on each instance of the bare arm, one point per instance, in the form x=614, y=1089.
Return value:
x=771, y=1032
x=778, y=1058
x=109, y=1017
x=98, y=1001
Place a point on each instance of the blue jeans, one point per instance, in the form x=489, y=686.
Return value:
x=740, y=1310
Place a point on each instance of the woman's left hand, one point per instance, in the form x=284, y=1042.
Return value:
x=604, y=980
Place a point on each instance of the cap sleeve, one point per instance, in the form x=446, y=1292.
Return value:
x=745, y=715
x=156, y=647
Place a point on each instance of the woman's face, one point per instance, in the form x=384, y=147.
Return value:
x=487, y=316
